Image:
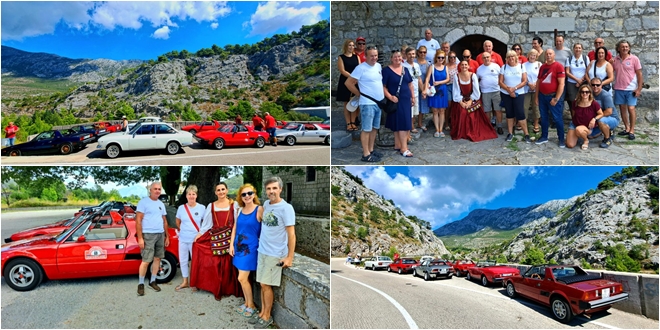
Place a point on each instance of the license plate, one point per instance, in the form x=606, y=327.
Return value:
x=442, y=271
x=605, y=293
x=102, y=131
x=507, y=274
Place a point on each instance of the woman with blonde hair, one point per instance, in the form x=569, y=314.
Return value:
x=188, y=219
x=585, y=114
x=245, y=241
x=438, y=77
x=424, y=65
x=346, y=63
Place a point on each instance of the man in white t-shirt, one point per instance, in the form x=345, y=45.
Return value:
x=488, y=74
x=368, y=76
x=152, y=236
x=416, y=73
x=431, y=45
x=277, y=243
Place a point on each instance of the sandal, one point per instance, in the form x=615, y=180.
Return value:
x=436, y=134
x=442, y=134
x=415, y=131
x=423, y=128
x=194, y=289
x=180, y=287
x=585, y=146
x=407, y=154
x=248, y=312
x=536, y=130
x=241, y=309
x=370, y=159
x=350, y=127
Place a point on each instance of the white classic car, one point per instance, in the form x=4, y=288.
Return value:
x=145, y=120
x=293, y=133
x=145, y=136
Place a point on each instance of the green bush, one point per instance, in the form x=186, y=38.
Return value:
x=336, y=190
x=362, y=233
x=619, y=260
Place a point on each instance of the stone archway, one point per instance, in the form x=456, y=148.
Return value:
x=475, y=42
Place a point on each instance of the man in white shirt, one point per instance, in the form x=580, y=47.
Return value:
x=151, y=227
x=488, y=74
x=431, y=45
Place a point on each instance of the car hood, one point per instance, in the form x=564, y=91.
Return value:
x=593, y=284
x=28, y=243
x=112, y=135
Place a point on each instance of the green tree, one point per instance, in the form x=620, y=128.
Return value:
x=170, y=176
x=253, y=175
x=619, y=260
x=362, y=233
x=534, y=256
x=49, y=194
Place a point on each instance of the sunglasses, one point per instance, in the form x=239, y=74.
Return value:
x=421, y=52
x=249, y=193
x=467, y=56
x=516, y=49
x=595, y=85
x=441, y=57
x=362, y=43
x=585, y=92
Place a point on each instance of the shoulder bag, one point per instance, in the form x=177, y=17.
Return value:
x=391, y=107
x=431, y=90
x=220, y=236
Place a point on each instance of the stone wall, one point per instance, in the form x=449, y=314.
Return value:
x=313, y=235
x=389, y=25
x=306, y=197
x=302, y=301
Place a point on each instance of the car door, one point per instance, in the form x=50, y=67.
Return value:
x=530, y=284
x=92, y=255
x=43, y=143
x=143, y=138
x=164, y=133
x=312, y=133
x=241, y=136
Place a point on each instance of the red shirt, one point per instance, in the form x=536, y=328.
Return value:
x=582, y=116
x=362, y=56
x=10, y=131
x=523, y=59
x=474, y=65
x=494, y=57
x=548, y=77
x=257, y=121
x=270, y=122
x=592, y=55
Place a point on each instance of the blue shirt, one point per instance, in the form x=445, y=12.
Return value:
x=605, y=101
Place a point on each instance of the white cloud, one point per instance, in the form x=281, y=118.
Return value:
x=214, y=25
x=26, y=19
x=274, y=15
x=439, y=193
x=162, y=33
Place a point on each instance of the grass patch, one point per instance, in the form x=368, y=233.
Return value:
x=513, y=145
x=23, y=86
x=638, y=142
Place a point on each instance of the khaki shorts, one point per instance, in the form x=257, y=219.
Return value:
x=267, y=270
x=154, y=246
x=491, y=101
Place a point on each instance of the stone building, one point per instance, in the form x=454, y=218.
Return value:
x=466, y=24
x=307, y=188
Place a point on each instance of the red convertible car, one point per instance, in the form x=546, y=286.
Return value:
x=203, y=126
x=84, y=250
x=567, y=290
x=106, y=218
x=490, y=272
x=461, y=266
x=403, y=265
x=232, y=135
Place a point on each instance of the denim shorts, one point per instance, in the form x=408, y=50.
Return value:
x=370, y=116
x=624, y=97
x=571, y=126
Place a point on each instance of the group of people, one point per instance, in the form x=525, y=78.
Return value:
x=258, y=238
x=470, y=96
x=267, y=123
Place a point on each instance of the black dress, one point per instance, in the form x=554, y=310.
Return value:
x=343, y=94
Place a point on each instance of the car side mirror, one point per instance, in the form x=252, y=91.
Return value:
x=81, y=239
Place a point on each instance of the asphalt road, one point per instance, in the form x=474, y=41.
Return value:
x=364, y=299
x=299, y=154
x=107, y=303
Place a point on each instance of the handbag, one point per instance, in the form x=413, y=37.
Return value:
x=430, y=91
x=474, y=107
x=220, y=237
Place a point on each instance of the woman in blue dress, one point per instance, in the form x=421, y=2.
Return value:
x=399, y=122
x=438, y=103
x=245, y=241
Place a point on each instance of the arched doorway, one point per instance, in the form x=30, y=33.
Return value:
x=475, y=43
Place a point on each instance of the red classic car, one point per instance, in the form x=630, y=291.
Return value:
x=60, y=226
x=203, y=126
x=567, y=290
x=403, y=265
x=461, y=266
x=232, y=135
x=490, y=272
x=106, y=126
x=84, y=250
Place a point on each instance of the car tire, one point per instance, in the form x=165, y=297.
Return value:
x=389, y=270
x=23, y=274
x=14, y=152
x=373, y=268
x=219, y=143
x=66, y=148
x=450, y=275
x=400, y=272
x=172, y=148
x=113, y=151
x=290, y=140
x=561, y=310
x=510, y=290
x=193, y=132
x=167, y=270
x=458, y=273
x=484, y=280
x=327, y=140
x=261, y=142
x=426, y=277
x=469, y=277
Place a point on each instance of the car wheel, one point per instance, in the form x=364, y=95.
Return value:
x=66, y=148
x=23, y=274
x=450, y=275
x=484, y=281
x=192, y=131
x=172, y=148
x=113, y=151
x=389, y=270
x=290, y=140
x=426, y=277
x=14, y=152
x=260, y=142
x=510, y=290
x=469, y=277
x=219, y=143
x=561, y=310
x=458, y=273
x=327, y=140
x=167, y=269
x=400, y=272
x=373, y=267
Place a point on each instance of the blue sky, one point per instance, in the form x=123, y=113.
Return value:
x=442, y=194
x=122, y=30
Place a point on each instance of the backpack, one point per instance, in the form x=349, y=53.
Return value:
x=584, y=59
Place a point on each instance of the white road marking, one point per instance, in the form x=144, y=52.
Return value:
x=403, y=311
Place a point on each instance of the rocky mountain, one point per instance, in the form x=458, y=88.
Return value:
x=588, y=230
x=506, y=218
x=18, y=63
x=364, y=222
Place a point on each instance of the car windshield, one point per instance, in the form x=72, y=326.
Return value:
x=135, y=128
x=226, y=128
x=76, y=221
x=564, y=271
x=384, y=258
x=486, y=263
x=437, y=263
x=291, y=126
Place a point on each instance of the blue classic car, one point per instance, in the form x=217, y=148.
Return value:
x=50, y=142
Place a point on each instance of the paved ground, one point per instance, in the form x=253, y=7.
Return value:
x=428, y=150
x=455, y=303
